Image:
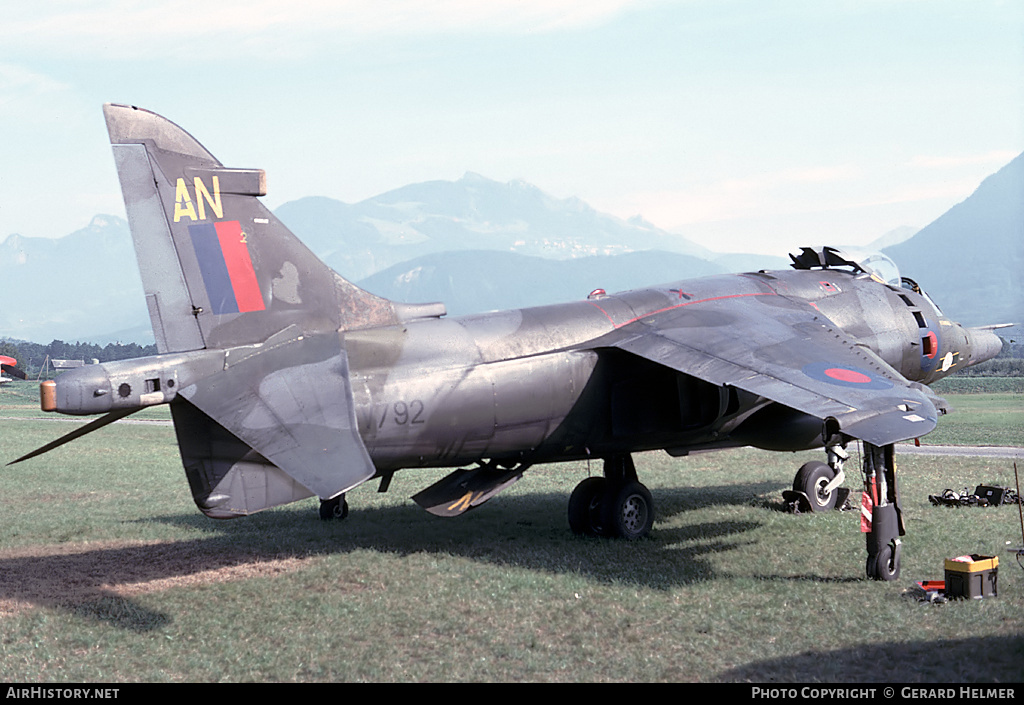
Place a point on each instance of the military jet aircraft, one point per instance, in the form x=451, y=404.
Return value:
x=286, y=381
x=11, y=364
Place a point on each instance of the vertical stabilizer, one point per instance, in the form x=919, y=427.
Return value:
x=218, y=268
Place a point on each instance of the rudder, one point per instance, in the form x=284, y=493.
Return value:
x=218, y=268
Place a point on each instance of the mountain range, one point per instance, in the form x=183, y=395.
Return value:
x=478, y=244
x=473, y=213
x=971, y=258
x=83, y=286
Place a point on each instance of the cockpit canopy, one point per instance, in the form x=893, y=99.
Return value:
x=871, y=262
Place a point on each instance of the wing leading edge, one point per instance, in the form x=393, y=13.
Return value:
x=790, y=354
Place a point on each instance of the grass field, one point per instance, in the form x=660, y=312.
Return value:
x=109, y=573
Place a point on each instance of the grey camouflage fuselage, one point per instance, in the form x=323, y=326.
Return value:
x=287, y=381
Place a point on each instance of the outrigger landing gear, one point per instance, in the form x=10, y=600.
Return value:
x=334, y=508
x=881, y=517
x=615, y=506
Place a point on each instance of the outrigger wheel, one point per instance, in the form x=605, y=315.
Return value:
x=614, y=506
x=335, y=508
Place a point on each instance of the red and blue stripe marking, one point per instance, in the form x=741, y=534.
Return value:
x=226, y=267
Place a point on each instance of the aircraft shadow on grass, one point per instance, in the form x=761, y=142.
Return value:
x=985, y=660
x=525, y=531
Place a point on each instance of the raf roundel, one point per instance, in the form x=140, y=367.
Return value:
x=845, y=376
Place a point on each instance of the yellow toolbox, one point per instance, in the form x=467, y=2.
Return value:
x=972, y=576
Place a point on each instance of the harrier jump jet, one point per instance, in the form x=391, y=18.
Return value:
x=286, y=381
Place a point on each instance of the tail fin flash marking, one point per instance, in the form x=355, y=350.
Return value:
x=189, y=215
x=233, y=243
x=226, y=267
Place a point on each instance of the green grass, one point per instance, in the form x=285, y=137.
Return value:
x=727, y=588
x=981, y=419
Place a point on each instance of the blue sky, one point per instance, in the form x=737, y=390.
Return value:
x=748, y=126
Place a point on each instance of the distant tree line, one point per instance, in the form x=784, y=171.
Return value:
x=1009, y=363
x=32, y=356
x=999, y=367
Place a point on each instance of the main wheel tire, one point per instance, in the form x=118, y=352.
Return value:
x=585, y=515
x=886, y=564
x=333, y=509
x=629, y=511
x=811, y=479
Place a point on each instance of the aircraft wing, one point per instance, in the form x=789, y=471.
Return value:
x=789, y=353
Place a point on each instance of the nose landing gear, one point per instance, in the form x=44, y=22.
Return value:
x=812, y=482
x=881, y=518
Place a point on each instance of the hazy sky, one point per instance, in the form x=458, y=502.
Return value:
x=749, y=125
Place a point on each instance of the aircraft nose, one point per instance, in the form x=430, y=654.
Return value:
x=984, y=344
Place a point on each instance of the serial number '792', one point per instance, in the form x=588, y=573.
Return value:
x=402, y=413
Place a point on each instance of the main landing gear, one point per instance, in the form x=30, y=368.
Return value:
x=614, y=506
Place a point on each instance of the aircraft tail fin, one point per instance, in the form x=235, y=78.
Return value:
x=218, y=268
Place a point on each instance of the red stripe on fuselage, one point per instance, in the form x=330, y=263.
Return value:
x=239, y=264
x=682, y=305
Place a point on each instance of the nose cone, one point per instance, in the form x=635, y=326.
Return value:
x=984, y=344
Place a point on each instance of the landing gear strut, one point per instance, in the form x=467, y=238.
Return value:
x=881, y=518
x=615, y=506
